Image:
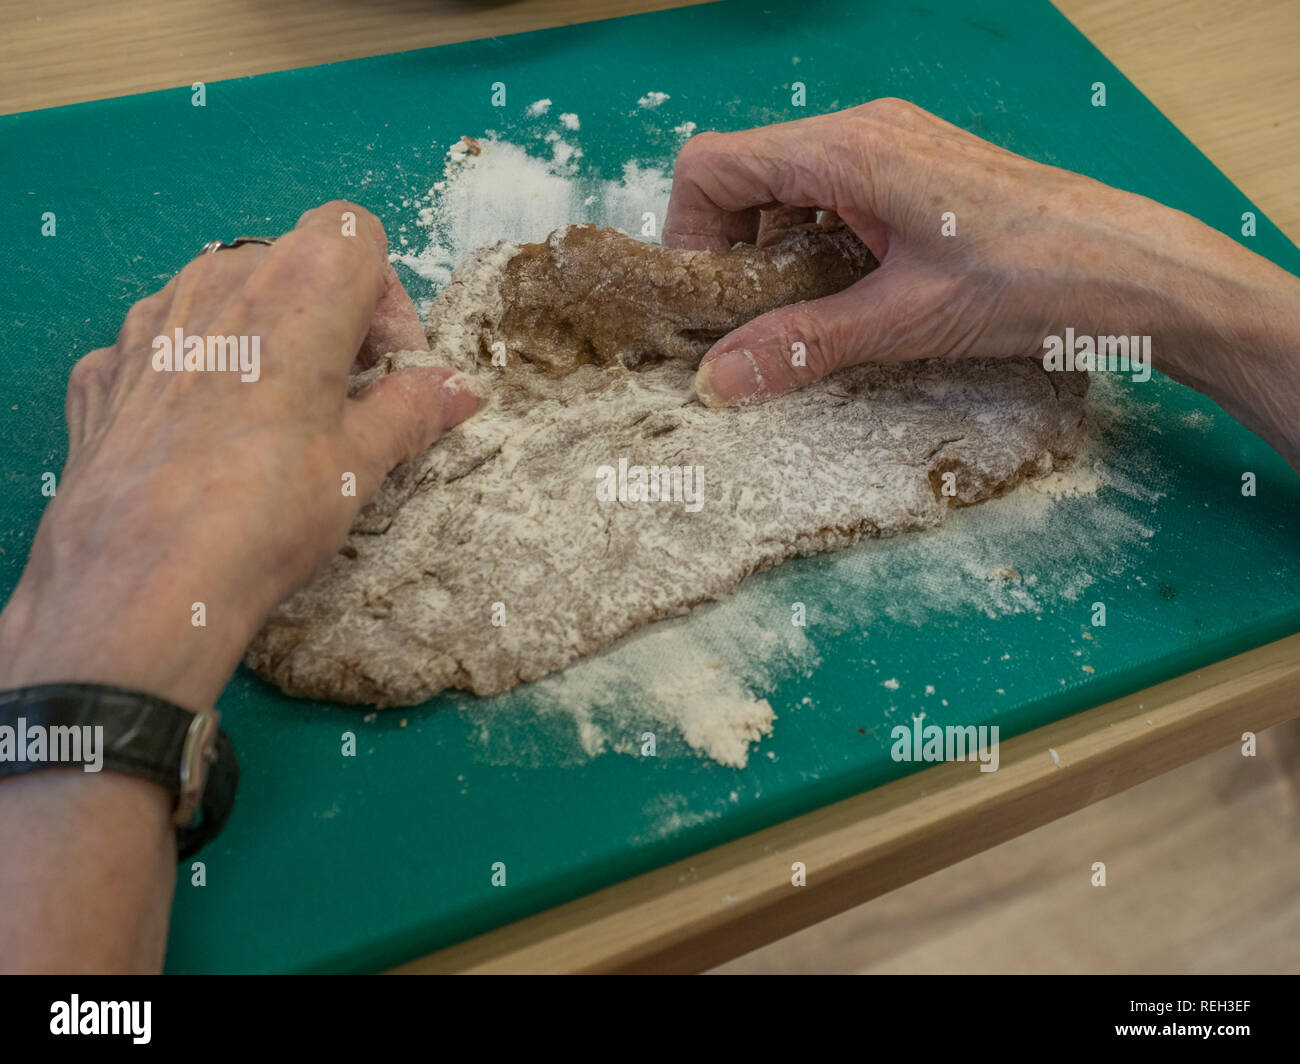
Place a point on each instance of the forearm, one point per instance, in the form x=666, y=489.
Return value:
x=1245, y=355
x=87, y=873
x=1223, y=320
x=88, y=859
x=104, y=624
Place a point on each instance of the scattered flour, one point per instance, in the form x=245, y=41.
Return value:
x=504, y=193
x=652, y=100
x=563, y=154
x=1078, y=479
x=668, y=814
x=674, y=679
x=570, y=121
x=539, y=107
x=686, y=129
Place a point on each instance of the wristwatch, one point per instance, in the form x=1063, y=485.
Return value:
x=101, y=727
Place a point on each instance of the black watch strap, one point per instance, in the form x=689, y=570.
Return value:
x=130, y=732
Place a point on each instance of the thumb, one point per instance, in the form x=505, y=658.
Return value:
x=801, y=343
x=402, y=414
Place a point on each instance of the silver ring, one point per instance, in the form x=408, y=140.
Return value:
x=219, y=245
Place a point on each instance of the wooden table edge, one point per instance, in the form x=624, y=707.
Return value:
x=707, y=909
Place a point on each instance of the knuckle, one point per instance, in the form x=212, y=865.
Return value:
x=342, y=206
x=86, y=370
x=334, y=211
x=143, y=313
x=891, y=111
x=196, y=268
x=891, y=107
x=701, y=147
x=339, y=204
x=316, y=250
x=196, y=273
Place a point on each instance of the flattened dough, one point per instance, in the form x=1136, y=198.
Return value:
x=601, y=336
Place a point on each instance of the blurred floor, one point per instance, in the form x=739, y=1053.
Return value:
x=1203, y=875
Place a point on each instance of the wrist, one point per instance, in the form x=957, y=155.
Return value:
x=1222, y=319
x=96, y=625
x=1233, y=334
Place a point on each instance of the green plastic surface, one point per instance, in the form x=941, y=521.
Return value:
x=333, y=863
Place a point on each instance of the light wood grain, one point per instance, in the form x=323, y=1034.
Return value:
x=699, y=912
x=66, y=51
x=1201, y=877
x=1224, y=71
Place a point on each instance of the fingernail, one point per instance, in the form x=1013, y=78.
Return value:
x=463, y=396
x=733, y=378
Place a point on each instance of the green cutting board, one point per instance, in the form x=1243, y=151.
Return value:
x=354, y=863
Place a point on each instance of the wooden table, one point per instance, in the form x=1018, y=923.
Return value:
x=1224, y=71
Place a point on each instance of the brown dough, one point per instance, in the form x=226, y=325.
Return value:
x=601, y=335
x=596, y=295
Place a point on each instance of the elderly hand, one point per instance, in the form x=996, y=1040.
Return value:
x=212, y=487
x=983, y=253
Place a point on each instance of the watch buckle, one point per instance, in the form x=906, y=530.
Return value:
x=197, y=754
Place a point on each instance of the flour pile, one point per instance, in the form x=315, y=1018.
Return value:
x=495, y=190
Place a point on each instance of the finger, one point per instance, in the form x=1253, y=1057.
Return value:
x=720, y=176
x=402, y=414
x=778, y=222
x=801, y=343
x=395, y=325
x=317, y=287
x=146, y=319
x=88, y=386
x=198, y=295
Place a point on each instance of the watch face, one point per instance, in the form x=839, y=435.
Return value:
x=198, y=753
